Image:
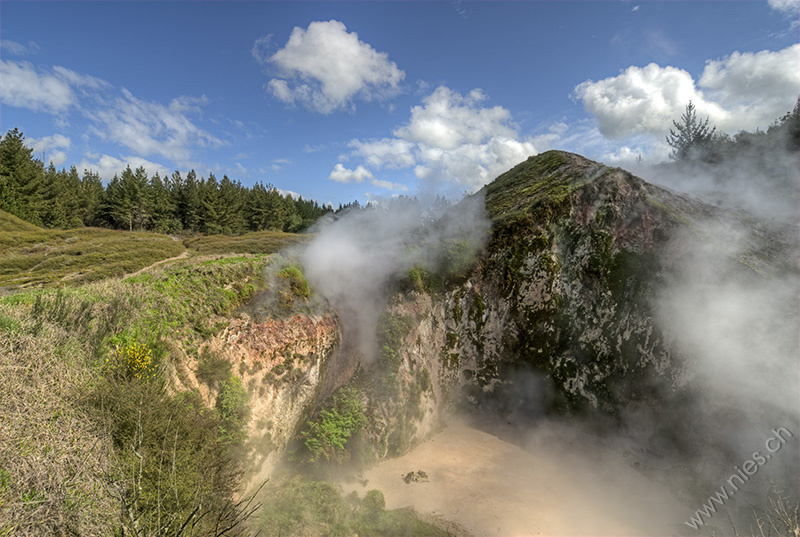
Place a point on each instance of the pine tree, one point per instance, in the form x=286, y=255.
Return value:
x=21, y=179
x=691, y=138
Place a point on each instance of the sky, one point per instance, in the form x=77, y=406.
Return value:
x=338, y=101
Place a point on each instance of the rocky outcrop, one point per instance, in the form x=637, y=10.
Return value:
x=559, y=313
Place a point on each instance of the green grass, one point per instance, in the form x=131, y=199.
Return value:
x=537, y=187
x=9, y=222
x=55, y=257
x=259, y=242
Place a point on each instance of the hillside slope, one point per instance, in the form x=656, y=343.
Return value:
x=9, y=222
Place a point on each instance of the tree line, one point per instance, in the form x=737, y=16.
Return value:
x=132, y=200
x=695, y=140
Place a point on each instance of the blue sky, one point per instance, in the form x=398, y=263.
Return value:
x=339, y=101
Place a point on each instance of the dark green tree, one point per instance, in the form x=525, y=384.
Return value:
x=21, y=179
x=91, y=199
x=162, y=206
x=188, y=196
x=691, y=139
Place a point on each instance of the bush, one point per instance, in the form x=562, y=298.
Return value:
x=136, y=361
x=309, y=508
x=327, y=435
x=232, y=409
x=172, y=469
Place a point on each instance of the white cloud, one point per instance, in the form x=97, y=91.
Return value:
x=755, y=88
x=787, y=7
x=260, y=50
x=325, y=67
x=741, y=91
x=57, y=158
x=23, y=86
x=385, y=153
x=78, y=80
x=150, y=128
x=107, y=166
x=451, y=137
x=50, y=145
x=56, y=141
x=18, y=49
x=340, y=174
x=388, y=185
x=291, y=193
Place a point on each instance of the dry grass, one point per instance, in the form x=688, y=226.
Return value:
x=53, y=456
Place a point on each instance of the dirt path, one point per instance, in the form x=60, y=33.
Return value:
x=183, y=255
x=493, y=488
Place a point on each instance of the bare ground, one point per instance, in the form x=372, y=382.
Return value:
x=561, y=483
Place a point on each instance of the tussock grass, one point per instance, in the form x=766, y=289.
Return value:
x=54, y=457
x=258, y=242
x=51, y=258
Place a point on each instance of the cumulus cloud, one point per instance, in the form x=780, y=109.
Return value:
x=107, y=166
x=325, y=67
x=754, y=88
x=340, y=174
x=23, y=86
x=740, y=92
x=392, y=153
x=451, y=137
x=151, y=128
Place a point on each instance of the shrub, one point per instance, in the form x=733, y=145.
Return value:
x=171, y=468
x=232, y=410
x=304, y=508
x=132, y=360
x=139, y=361
x=327, y=435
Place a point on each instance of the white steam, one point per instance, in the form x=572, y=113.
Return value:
x=355, y=257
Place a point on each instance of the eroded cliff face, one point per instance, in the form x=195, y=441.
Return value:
x=281, y=363
x=559, y=314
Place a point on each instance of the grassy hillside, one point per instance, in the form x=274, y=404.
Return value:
x=37, y=257
x=92, y=439
x=258, y=242
x=9, y=222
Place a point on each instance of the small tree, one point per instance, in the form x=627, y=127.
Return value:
x=691, y=137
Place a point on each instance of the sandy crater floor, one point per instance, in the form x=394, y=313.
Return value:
x=560, y=483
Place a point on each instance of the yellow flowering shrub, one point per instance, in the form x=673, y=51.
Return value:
x=134, y=360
